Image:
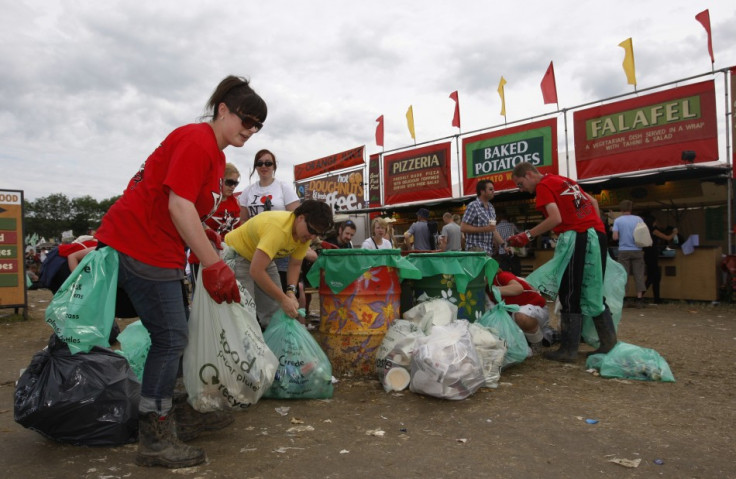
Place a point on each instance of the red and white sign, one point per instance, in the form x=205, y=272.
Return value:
x=647, y=132
x=418, y=174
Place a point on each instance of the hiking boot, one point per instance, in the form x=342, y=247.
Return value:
x=606, y=332
x=571, y=326
x=536, y=348
x=159, y=446
x=191, y=423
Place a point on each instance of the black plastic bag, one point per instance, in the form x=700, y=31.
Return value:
x=88, y=399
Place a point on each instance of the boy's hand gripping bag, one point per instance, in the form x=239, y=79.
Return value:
x=304, y=371
x=82, y=311
x=227, y=364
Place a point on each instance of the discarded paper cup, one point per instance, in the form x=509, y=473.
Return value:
x=397, y=379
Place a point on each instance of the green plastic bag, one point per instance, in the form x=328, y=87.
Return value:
x=628, y=361
x=503, y=325
x=614, y=290
x=83, y=309
x=134, y=345
x=304, y=372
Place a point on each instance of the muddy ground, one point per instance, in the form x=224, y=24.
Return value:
x=533, y=425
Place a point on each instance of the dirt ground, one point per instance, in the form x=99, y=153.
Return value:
x=532, y=425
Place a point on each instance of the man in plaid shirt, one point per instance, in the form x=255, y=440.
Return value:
x=479, y=220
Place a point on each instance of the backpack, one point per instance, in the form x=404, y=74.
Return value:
x=642, y=238
x=50, y=267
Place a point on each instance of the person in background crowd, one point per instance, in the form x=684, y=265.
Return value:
x=507, y=260
x=533, y=316
x=69, y=256
x=574, y=215
x=630, y=256
x=450, y=237
x=479, y=220
x=160, y=213
x=420, y=231
x=344, y=235
x=268, y=194
x=277, y=234
x=225, y=218
x=660, y=239
x=377, y=239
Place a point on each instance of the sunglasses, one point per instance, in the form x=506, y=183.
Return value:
x=232, y=183
x=314, y=232
x=248, y=122
x=267, y=164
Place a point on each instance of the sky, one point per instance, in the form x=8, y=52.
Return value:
x=88, y=89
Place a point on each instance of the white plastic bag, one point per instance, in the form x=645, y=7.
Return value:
x=446, y=365
x=226, y=363
x=396, y=350
x=642, y=238
x=491, y=351
x=432, y=312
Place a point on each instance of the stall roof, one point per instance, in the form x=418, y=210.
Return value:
x=710, y=172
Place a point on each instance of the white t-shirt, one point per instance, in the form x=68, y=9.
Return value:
x=370, y=244
x=278, y=193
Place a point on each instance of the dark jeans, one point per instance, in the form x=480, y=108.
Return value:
x=160, y=306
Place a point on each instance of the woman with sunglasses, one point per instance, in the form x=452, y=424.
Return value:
x=161, y=211
x=277, y=234
x=267, y=194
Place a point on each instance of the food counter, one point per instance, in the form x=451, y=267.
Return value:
x=696, y=276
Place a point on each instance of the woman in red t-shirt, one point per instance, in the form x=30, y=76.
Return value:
x=178, y=187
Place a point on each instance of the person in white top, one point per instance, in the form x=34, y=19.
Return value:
x=268, y=193
x=378, y=239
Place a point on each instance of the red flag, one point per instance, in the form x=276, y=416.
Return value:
x=549, y=87
x=704, y=18
x=456, y=116
x=379, y=131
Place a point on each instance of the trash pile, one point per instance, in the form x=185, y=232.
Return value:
x=434, y=353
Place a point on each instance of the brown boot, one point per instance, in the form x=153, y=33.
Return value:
x=191, y=423
x=159, y=446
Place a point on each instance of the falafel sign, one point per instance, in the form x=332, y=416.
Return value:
x=343, y=191
x=493, y=156
x=417, y=174
x=647, y=132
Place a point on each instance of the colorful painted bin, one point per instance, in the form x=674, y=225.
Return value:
x=359, y=295
x=458, y=276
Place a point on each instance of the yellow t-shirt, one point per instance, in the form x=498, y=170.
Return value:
x=269, y=232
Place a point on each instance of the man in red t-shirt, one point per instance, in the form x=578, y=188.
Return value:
x=532, y=317
x=567, y=208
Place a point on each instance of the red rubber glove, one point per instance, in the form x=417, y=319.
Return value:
x=219, y=281
x=215, y=237
x=518, y=240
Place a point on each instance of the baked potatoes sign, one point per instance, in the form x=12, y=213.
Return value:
x=493, y=156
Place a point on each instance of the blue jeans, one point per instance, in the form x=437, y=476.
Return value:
x=160, y=306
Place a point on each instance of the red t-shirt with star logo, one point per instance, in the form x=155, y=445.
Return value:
x=227, y=216
x=577, y=211
x=189, y=163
